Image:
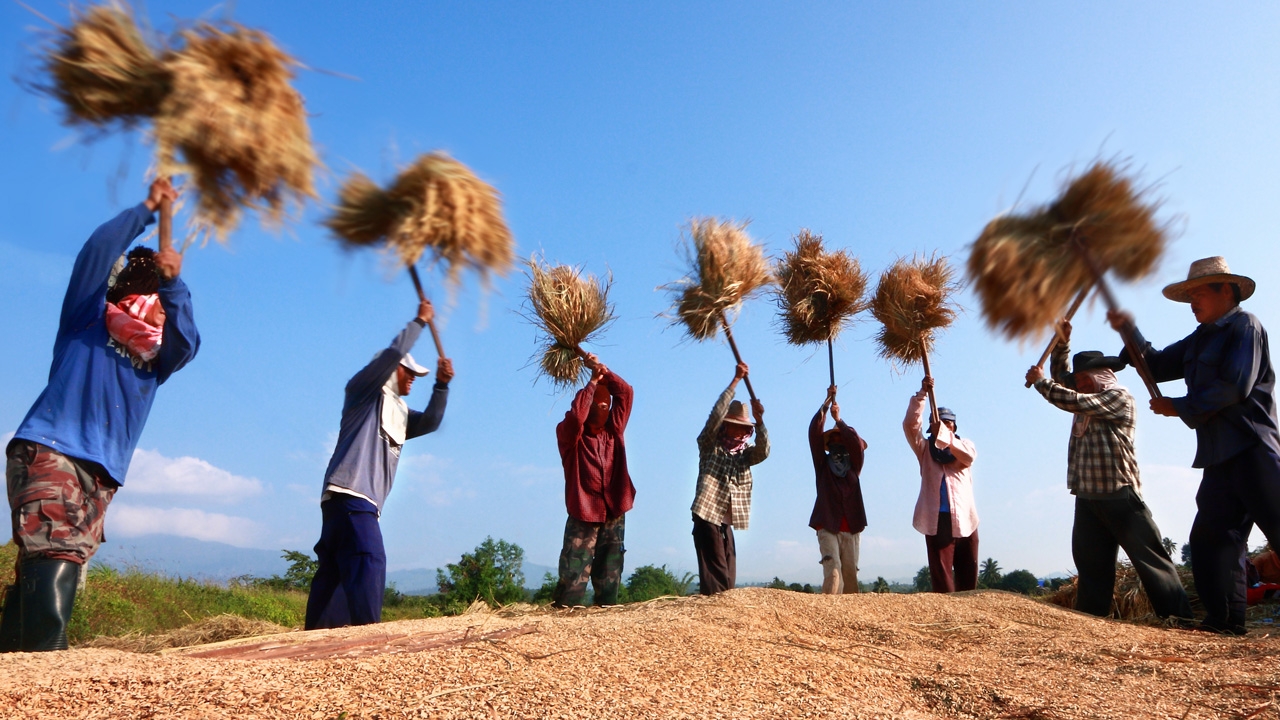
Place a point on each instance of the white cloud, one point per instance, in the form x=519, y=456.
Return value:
x=154, y=474
x=133, y=521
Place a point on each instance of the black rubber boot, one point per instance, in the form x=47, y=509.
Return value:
x=11, y=621
x=48, y=595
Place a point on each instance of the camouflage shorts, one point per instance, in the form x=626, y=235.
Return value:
x=592, y=551
x=57, y=504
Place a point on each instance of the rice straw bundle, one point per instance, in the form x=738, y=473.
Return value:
x=818, y=292
x=569, y=309
x=726, y=268
x=436, y=203
x=911, y=302
x=220, y=100
x=234, y=123
x=1026, y=269
x=1129, y=600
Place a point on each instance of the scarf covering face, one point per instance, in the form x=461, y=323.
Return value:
x=731, y=445
x=1105, y=380
x=840, y=463
x=395, y=413
x=136, y=324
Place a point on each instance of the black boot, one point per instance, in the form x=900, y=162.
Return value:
x=48, y=595
x=11, y=621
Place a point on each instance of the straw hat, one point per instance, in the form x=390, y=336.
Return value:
x=1204, y=272
x=738, y=414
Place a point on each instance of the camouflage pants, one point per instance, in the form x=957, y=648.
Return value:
x=591, y=551
x=57, y=503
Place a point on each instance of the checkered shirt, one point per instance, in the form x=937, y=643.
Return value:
x=1102, y=460
x=724, y=480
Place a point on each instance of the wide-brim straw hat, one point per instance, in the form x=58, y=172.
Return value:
x=1207, y=271
x=739, y=415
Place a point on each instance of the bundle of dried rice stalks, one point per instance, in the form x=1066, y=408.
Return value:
x=569, y=309
x=234, y=123
x=1025, y=269
x=436, y=203
x=818, y=292
x=726, y=268
x=220, y=100
x=912, y=301
x=1128, y=600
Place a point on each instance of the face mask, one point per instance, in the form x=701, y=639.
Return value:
x=840, y=463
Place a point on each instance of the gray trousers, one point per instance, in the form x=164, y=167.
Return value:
x=1102, y=526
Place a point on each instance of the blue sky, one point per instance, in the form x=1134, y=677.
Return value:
x=890, y=129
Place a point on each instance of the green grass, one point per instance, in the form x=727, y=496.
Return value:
x=116, y=603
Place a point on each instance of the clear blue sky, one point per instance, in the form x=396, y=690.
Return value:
x=889, y=129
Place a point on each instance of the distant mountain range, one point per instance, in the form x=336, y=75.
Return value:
x=218, y=562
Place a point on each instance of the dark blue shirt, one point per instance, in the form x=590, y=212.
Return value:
x=97, y=402
x=1230, y=400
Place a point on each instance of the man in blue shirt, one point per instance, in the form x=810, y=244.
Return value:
x=1230, y=403
x=72, y=451
x=348, y=585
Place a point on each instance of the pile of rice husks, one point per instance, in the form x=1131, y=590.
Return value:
x=749, y=653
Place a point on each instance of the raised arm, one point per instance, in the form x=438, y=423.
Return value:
x=963, y=449
x=711, y=430
x=1165, y=365
x=623, y=396
x=87, y=291
x=570, y=429
x=1114, y=404
x=853, y=441
x=913, y=423
x=816, y=448
x=428, y=421
x=758, y=452
x=1059, y=368
x=373, y=376
x=181, y=338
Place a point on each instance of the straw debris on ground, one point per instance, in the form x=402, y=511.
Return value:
x=749, y=653
x=818, y=292
x=568, y=309
x=1026, y=267
x=209, y=630
x=435, y=205
x=912, y=302
x=220, y=100
x=725, y=268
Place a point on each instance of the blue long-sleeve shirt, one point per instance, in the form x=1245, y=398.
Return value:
x=97, y=402
x=1230, y=400
x=365, y=460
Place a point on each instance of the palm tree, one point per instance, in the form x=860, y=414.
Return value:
x=989, y=574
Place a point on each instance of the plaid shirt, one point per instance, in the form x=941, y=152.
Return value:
x=1102, y=460
x=724, y=480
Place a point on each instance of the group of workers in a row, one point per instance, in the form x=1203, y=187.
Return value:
x=127, y=325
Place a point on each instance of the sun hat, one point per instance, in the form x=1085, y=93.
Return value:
x=1204, y=272
x=738, y=414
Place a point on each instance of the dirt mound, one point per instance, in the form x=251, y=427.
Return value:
x=750, y=653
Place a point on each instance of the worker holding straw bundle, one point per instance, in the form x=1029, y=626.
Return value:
x=125, y=329
x=1102, y=474
x=598, y=490
x=838, y=513
x=912, y=302
x=1230, y=403
x=348, y=586
x=722, y=500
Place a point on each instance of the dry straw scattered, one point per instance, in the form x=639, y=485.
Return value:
x=569, y=309
x=436, y=204
x=726, y=267
x=1128, y=600
x=1025, y=268
x=220, y=100
x=818, y=292
x=912, y=302
x=209, y=630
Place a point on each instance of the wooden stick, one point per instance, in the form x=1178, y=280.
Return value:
x=831, y=362
x=1057, y=336
x=1136, y=358
x=736, y=355
x=422, y=296
x=933, y=403
x=166, y=225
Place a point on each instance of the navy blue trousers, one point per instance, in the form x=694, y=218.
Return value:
x=1234, y=496
x=348, y=585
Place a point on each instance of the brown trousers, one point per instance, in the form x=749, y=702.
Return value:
x=953, y=561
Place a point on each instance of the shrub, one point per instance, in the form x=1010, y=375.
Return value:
x=648, y=582
x=492, y=572
x=1020, y=581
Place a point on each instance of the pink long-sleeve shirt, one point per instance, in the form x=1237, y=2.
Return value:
x=959, y=479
